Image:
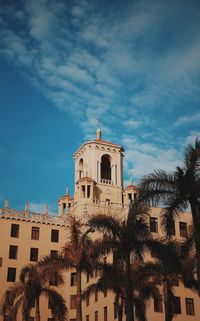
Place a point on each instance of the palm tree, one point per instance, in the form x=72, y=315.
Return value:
x=112, y=277
x=130, y=237
x=166, y=268
x=79, y=254
x=34, y=283
x=176, y=191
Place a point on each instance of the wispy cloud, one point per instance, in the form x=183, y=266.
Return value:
x=184, y=120
x=134, y=66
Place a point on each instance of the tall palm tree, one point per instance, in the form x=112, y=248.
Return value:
x=112, y=277
x=130, y=238
x=176, y=191
x=79, y=254
x=166, y=268
x=34, y=283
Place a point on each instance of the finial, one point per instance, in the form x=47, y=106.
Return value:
x=67, y=191
x=98, y=131
x=131, y=180
x=6, y=206
x=46, y=210
x=27, y=206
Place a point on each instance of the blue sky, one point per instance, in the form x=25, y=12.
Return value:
x=135, y=65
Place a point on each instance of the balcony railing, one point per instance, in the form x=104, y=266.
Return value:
x=107, y=181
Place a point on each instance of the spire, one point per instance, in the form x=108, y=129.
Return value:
x=6, y=206
x=67, y=191
x=27, y=206
x=98, y=131
x=46, y=210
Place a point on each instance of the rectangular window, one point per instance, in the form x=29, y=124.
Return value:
x=35, y=233
x=96, y=295
x=87, y=318
x=54, y=253
x=154, y=224
x=88, y=191
x=158, y=305
x=88, y=277
x=11, y=274
x=13, y=252
x=73, y=279
x=96, y=316
x=115, y=310
x=33, y=254
x=105, y=292
x=171, y=228
x=54, y=236
x=189, y=303
x=183, y=229
x=14, y=230
x=105, y=314
x=73, y=301
x=177, y=305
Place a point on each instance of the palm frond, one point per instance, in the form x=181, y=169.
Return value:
x=56, y=303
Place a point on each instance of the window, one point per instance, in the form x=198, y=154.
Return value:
x=13, y=252
x=183, y=229
x=96, y=316
x=96, y=295
x=35, y=233
x=105, y=167
x=11, y=274
x=105, y=314
x=177, y=305
x=115, y=310
x=54, y=253
x=54, y=236
x=171, y=228
x=154, y=224
x=33, y=254
x=108, y=202
x=14, y=230
x=50, y=319
x=189, y=303
x=87, y=318
x=158, y=306
x=88, y=277
x=73, y=301
x=73, y=279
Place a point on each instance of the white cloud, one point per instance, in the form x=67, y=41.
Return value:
x=184, y=120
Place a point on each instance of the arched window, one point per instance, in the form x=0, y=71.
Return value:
x=80, y=168
x=105, y=167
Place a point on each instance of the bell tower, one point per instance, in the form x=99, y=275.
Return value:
x=98, y=172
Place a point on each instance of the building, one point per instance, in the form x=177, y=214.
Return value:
x=27, y=236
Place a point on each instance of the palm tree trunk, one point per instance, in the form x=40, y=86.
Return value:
x=169, y=308
x=120, y=309
x=79, y=298
x=128, y=290
x=195, y=207
x=37, y=309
